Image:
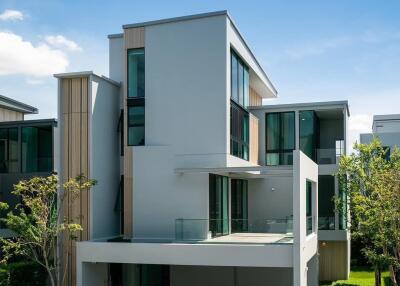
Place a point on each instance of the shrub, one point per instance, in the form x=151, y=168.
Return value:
x=22, y=274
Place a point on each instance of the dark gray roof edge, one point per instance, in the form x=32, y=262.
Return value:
x=114, y=36
x=199, y=16
x=344, y=103
x=15, y=105
x=51, y=121
x=86, y=74
x=251, y=52
x=176, y=19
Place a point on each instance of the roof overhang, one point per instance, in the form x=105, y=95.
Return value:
x=252, y=172
x=11, y=104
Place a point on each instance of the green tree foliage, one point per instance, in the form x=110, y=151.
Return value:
x=373, y=188
x=37, y=221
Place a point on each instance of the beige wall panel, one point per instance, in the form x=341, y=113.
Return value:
x=332, y=260
x=134, y=38
x=255, y=98
x=10, y=115
x=74, y=100
x=253, y=139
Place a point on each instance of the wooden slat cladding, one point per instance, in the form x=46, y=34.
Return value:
x=134, y=38
x=10, y=115
x=332, y=257
x=75, y=161
x=253, y=139
x=255, y=98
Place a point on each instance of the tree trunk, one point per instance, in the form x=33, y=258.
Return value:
x=377, y=276
x=393, y=276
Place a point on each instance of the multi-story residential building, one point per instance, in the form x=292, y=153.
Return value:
x=387, y=129
x=26, y=149
x=198, y=182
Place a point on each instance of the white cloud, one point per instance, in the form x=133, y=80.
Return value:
x=358, y=123
x=18, y=56
x=317, y=48
x=11, y=15
x=34, y=81
x=60, y=41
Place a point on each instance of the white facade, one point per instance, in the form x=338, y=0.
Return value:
x=188, y=140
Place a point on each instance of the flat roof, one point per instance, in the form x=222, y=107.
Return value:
x=85, y=74
x=314, y=105
x=9, y=103
x=34, y=122
x=198, y=16
x=383, y=117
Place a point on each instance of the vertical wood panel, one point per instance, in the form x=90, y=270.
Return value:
x=255, y=98
x=332, y=260
x=134, y=38
x=253, y=139
x=74, y=100
x=10, y=115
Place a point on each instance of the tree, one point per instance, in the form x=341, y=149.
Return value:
x=37, y=221
x=373, y=188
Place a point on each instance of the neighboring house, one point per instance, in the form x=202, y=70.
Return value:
x=198, y=182
x=26, y=149
x=387, y=129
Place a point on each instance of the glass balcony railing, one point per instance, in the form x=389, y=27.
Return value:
x=326, y=223
x=309, y=224
x=204, y=229
x=327, y=156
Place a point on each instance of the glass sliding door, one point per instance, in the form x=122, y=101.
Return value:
x=239, y=205
x=152, y=275
x=219, y=205
x=280, y=138
x=308, y=133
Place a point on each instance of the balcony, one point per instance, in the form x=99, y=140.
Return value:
x=330, y=155
x=261, y=231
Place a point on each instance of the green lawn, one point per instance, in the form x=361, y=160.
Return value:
x=360, y=276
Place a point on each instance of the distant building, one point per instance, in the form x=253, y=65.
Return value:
x=26, y=149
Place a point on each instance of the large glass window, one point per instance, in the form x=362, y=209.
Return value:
x=9, y=150
x=326, y=204
x=308, y=133
x=280, y=138
x=239, y=132
x=37, y=149
x=136, y=122
x=219, y=208
x=136, y=78
x=240, y=81
x=239, y=205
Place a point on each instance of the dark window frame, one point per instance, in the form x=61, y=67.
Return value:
x=136, y=102
x=236, y=123
x=280, y=150
x=241, y=62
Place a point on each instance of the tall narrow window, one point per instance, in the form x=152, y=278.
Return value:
x=136, y=122
x=308, y=133
x=239, y=205
x=218, y=205
x=280, y=138
x=240, y=81
x=136, y=79
x=239, y=132
x=9, y=150
x=309, y=214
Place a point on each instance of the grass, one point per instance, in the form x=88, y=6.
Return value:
x=361, y=276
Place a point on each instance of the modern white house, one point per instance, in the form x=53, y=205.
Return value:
x=199, y=183
x=387, y=129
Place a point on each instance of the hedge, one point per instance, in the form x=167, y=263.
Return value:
x=23, y=274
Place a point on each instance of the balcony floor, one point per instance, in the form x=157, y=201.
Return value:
x=252, y=238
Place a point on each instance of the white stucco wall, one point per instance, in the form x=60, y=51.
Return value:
x=186, y=88
x=160, y=196
x=104, y=158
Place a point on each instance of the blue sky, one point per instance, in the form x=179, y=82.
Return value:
x=311, y=50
